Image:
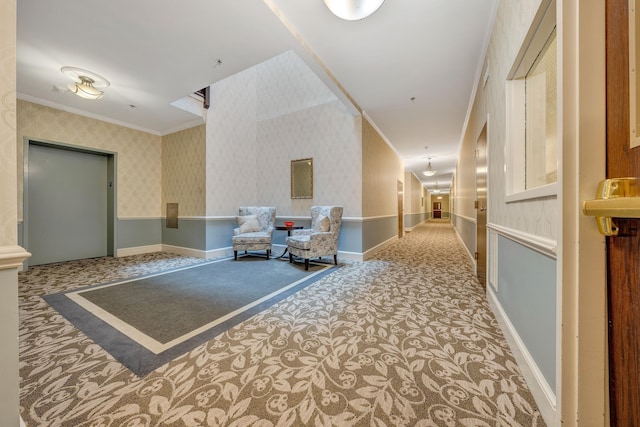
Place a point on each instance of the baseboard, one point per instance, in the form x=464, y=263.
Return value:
x=278, y=249
x=371, y=252
x=138, y=250
x=542, y=393
x=215, y=253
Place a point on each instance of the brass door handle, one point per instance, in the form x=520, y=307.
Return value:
x=615, y=198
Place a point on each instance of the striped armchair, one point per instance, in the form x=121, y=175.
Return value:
x=321, y=239
x=255, y=229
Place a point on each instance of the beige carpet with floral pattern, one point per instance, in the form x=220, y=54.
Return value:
x=406, y=339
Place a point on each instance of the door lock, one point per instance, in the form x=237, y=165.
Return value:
x=615, y=198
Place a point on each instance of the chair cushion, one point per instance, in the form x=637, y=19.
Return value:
x=248, y=223
x=322, y=223
x=300, y=242
x=251, y=238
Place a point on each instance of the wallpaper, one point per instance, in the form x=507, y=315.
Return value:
x=139, y=154
x=8, y=213
x=183, y=171
x=381, y=171
x=231, y=145
x=263, y=118
x=415, y=200
x=538, y=217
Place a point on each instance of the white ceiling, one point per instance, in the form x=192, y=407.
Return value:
x=154, y=53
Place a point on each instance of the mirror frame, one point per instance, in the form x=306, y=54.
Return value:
x=296, y=190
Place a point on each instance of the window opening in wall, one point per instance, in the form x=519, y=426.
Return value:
x=532, y=112
x=541, y=123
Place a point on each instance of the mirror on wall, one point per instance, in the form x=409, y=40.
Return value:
x=302, y=179
x=634, y=81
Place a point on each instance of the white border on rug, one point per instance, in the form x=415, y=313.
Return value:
x=153, y=345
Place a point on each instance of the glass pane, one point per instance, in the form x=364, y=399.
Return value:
x=541, y=138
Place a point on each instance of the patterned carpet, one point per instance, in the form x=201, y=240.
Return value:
x=406, y=339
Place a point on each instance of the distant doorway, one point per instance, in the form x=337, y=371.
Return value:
x=437, y=209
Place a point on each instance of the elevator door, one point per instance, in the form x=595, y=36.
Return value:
x=66, y=212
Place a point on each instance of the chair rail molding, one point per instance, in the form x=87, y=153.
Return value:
x=548, y=247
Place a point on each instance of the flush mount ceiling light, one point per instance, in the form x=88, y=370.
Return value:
x=86, y=83
x=353, y=10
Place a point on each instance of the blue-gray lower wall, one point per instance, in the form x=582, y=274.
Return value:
x=411, y=220
x=467, y=231
x=526, y=290
x=136, y=232
x=213, y=234
x=376, y=231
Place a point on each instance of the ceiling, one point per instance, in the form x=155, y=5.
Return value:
x=411, y=67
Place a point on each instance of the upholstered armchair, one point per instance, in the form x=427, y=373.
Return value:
x=321, y=239
x=255, y=229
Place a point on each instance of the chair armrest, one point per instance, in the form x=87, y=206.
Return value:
x=302, y=232
x=236, y=231
x=316, y=235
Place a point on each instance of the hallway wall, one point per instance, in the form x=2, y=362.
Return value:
x=416, y=201
x=12, y=254
x=521, y=233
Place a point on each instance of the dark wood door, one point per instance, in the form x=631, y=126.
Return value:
x=623, y=251
x=481, y=214
x=400, y=209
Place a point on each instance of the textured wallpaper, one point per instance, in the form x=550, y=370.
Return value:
x=231, y=145
x=263, y=118
x=381, y=170
x=139, y=172
x=183, y=171
x=8, y=172
x=414, y=195
x=538, y=217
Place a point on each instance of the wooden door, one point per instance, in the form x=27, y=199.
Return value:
x=481, y=214
x=623, y=251
x=400, y=209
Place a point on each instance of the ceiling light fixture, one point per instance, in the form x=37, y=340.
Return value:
x=86, y=83
x=353, y=10
x=429, y=171
x=85, y=89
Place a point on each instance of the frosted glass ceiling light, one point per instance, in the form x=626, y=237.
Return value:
x=85, y=83
x=353, y=10
x=85, y=89
x=429, y=171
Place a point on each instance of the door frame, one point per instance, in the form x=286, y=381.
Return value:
x=582, y=388
x=112, y=198
x=482, y=247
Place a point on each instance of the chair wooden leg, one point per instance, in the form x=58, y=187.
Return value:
x=335, y=259
x=235, y=255
x=306, y=264
x=290, y=258
x=268, y=253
